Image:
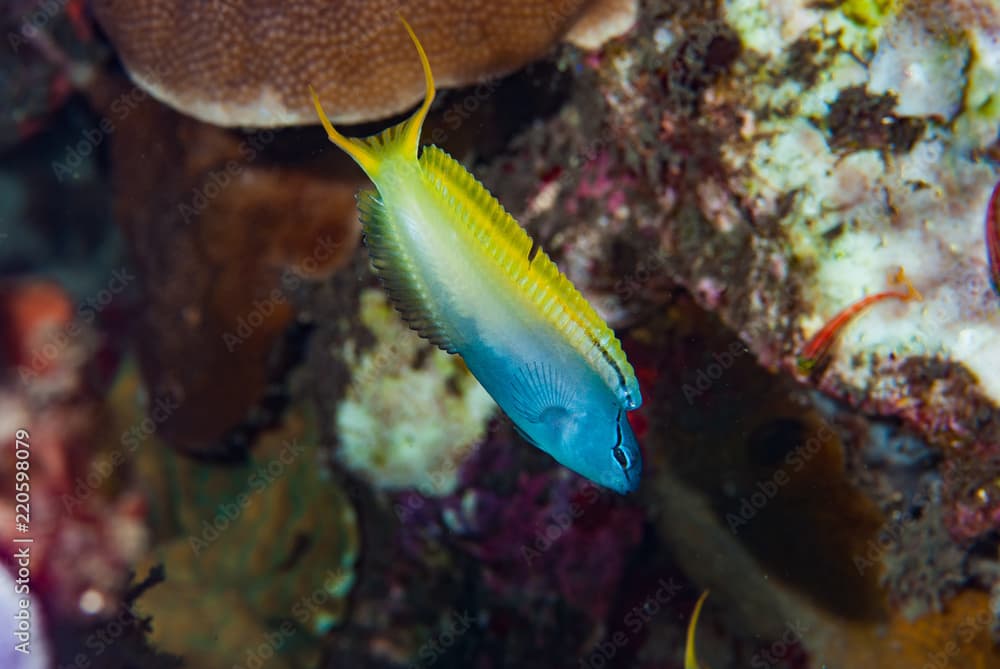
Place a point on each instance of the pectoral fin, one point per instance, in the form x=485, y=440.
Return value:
x=540, y=395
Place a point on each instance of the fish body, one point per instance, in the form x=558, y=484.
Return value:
x=468, y=278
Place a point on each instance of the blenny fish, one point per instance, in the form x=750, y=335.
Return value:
x=467, y=277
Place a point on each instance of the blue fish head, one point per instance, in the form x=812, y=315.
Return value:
x=575, y=418
x=601, y=446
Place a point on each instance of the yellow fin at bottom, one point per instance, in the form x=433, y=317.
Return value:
x=690, y=660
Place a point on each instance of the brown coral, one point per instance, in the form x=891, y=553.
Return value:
x=249, y=62
x=222, y=232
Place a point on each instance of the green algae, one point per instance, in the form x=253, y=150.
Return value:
x=259, y=556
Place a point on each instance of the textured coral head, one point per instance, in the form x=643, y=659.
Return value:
x=250, y=62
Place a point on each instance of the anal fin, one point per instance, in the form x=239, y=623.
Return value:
x=394, y=266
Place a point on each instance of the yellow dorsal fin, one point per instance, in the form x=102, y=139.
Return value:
x=532, y=272
x=411, y=136
x=690, y=659
x=357, y=149
x=402, y=138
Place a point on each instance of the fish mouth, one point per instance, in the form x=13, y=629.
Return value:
x=632, y=477
x=626, y=484
x=632, y=484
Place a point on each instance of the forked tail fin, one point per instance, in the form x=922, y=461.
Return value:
x=402, y=138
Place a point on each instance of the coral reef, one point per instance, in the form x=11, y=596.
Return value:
x=877, y=161
x=412, y=413
x=530, y=540
x=665, y=180
x=924, y=568
x=780, y=162
x=229, y=596
x=761, y=483
x=222, y=233
x=222, y=68
x=49, y=399
x=522, y=549
x=297, y=480
x=493, y=532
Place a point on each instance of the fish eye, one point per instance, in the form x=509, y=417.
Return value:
x=621, y=456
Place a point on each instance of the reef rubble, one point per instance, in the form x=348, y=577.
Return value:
x=782, y=162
